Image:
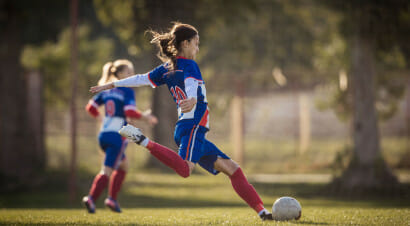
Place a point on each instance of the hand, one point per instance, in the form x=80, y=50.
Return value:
x=150, y=118
x=187, y=104
x=96, y=89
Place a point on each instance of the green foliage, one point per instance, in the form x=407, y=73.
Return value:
x=263, y=35
x=383, y=24
x=53, y=61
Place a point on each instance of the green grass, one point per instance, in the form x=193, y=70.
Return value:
x=204, y=216
x=166, y=199
x=261, y=156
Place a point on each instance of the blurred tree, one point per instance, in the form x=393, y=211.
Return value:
x=51, y=59
x=378, y=51
x=21, y=22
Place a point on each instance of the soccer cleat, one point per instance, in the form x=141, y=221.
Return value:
x=266, y=216
x=132, y=133
x=112, y=204
x=89, y=204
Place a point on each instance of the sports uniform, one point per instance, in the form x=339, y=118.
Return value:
x=119, y=103
x=185, y=82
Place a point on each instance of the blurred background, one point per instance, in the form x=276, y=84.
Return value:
x=295, y=87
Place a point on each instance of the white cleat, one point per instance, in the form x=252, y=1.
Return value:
x=132, y=133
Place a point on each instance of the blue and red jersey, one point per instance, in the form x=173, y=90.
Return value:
x=119, y=103
x=176, y=82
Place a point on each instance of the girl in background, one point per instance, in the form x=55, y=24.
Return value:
x=181, y=74
x=119, y=110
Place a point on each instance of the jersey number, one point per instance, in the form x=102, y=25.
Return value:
x=178, y=93
x=110, y=107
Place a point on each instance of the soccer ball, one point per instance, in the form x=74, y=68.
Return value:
x=286, y=208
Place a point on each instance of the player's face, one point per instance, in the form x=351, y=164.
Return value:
x=193, y=47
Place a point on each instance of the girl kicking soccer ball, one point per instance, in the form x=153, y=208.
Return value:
x=119, y=109
x=181, y=74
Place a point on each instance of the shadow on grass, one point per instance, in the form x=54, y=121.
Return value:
x=60, y=200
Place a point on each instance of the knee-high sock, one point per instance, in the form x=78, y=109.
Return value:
x=246, y=191
x=169, y=158
x=99, y=184
x=116, y=180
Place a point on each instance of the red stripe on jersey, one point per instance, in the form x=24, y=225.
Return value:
x=93, y=111
x=133, y=114
x=189, y=143
x=151, y=81
x=204, y=119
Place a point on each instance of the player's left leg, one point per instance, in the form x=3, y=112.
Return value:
x=117, y=178
x=164, y=154
x=100, y=182
x=242, y=187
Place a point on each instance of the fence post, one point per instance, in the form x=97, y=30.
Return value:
x=237, y=125
x=304, y=123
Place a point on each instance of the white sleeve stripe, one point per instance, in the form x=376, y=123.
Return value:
x=129, y=107
x=134, y=81
x=93, y=103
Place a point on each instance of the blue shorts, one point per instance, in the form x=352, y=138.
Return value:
x=194, y=147
x=114, y=147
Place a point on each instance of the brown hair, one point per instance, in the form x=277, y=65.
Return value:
x=111, y=70
x=169, y=43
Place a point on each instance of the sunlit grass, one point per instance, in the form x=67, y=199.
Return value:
x=261, y=156
x=167, y=199
x=204, y=216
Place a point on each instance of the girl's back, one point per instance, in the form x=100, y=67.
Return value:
x=116, y=101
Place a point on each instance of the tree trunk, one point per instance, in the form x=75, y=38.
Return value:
x=35, y=114
x=237, y=125
x=20, y=158
x=367, y=170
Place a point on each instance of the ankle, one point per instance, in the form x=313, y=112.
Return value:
x=145, y=142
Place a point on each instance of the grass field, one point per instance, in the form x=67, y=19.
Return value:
x=261, y=156
x=166, y=199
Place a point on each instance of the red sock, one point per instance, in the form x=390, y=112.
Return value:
x=99, y=184
x=246, y=191
x=116, y=180
x=169, y=158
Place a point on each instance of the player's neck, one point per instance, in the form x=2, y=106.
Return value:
x=185, y=56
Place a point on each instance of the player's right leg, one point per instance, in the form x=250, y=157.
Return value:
x=100, y=182
x=162, y=153
x=111, y=143
x=242, y=187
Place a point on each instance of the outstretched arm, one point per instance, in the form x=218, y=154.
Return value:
x=133, y=81
x=96, y=89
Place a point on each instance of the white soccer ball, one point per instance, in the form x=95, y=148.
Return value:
x=286, y=208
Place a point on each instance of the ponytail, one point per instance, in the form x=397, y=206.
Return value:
x=106, y=74
x=169, y=43
x=112, y=69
